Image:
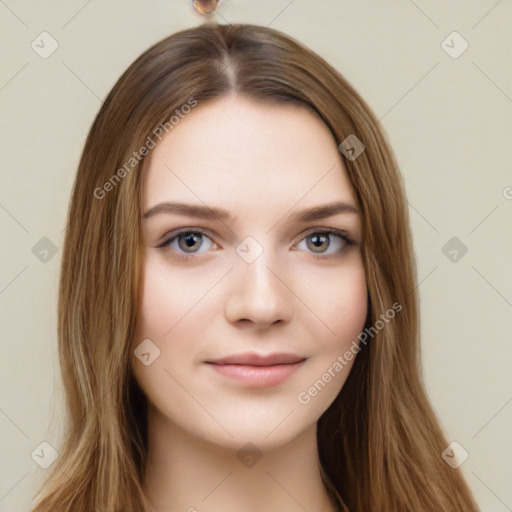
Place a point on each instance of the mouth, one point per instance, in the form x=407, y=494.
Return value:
x=258, y=370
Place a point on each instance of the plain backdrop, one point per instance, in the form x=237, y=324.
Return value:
x=448, y=117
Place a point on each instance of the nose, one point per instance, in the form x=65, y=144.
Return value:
x=259, y=295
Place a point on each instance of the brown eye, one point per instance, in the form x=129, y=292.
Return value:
x=318, y=242
x=321, y=241
x=189, y=240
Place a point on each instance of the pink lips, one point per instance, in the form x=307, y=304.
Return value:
x=258, y=370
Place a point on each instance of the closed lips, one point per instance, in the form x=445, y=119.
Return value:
x=254, y=359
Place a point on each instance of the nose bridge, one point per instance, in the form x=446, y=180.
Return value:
x=258, y=292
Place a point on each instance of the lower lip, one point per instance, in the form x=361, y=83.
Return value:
x=259, y=376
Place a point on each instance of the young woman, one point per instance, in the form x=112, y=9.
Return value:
x=238, y=310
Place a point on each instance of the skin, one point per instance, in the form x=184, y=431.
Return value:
x=263, y=163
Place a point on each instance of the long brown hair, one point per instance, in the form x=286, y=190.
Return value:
x=380, y=442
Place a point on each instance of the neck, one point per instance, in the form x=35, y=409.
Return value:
x=188, y=474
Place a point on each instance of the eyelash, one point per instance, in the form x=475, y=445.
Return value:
x=322, y=231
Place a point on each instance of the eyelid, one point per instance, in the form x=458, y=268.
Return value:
x=326, y=229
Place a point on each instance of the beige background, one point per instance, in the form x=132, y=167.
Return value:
x=449, y=121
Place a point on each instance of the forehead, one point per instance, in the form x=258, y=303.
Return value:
x=241, y=154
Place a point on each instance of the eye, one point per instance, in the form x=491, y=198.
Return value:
x=321, y=241
x=186, y=241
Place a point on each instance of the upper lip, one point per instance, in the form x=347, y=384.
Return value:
x=255, y=359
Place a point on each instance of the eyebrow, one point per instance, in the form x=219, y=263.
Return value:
x=216, y=213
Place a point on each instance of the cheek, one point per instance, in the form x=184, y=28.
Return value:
x=350, y=315
x=164, y=316
x=337, y=299
x=342, y=305
x=345, y=305
x=166, y=301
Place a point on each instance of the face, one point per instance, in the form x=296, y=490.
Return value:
x=244, y=315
